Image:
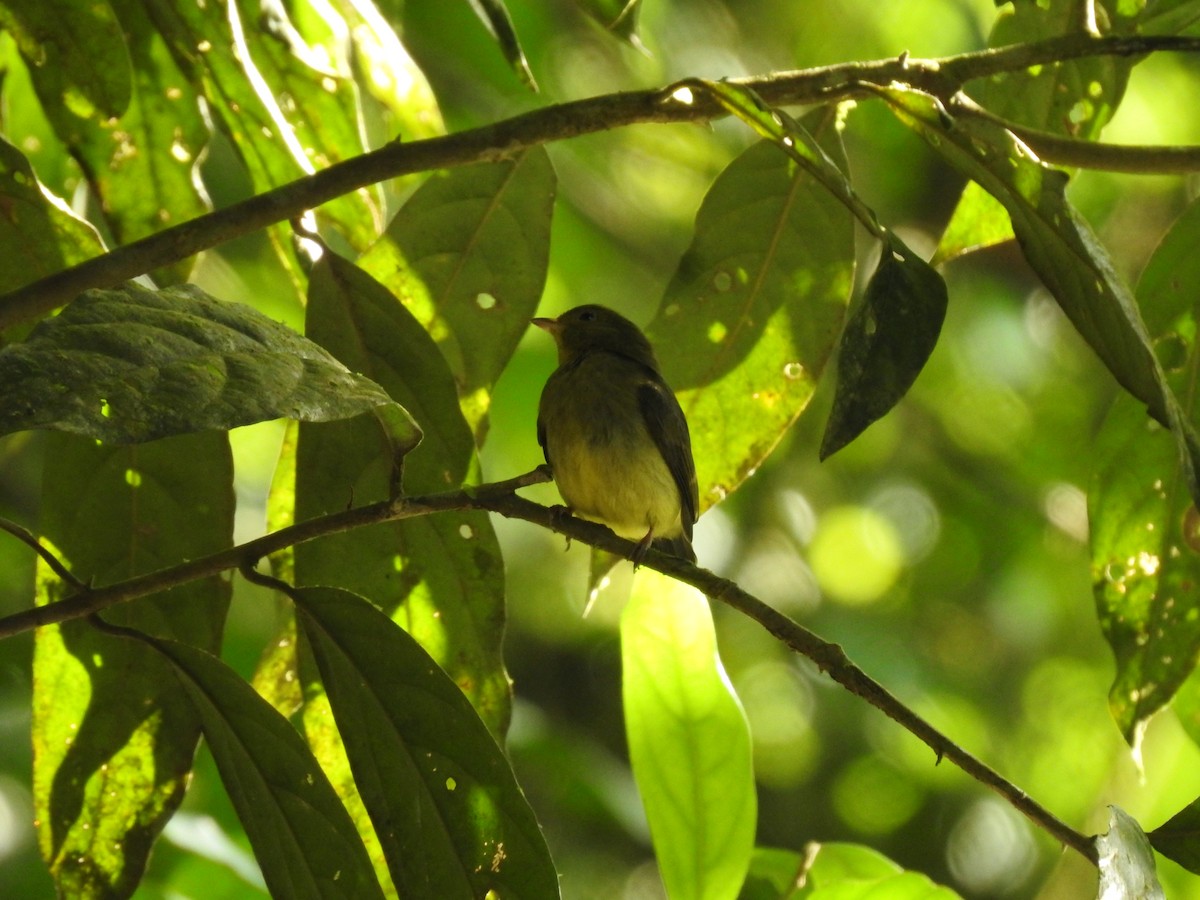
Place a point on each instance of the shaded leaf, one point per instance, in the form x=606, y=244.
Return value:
x=496, y=16
x=76, y=54
x=445, y=803
x=468, y=256
x=1178, y=838
x=1061, y=249
x=886, y=343
x=34, y=228
x=763, y=287
x=1126, y=861
x=302, y=836
x=689, y=743
x=1145, y=551
x=133, y=365
x=113, y=735
x=440, y=577
x=618, y=16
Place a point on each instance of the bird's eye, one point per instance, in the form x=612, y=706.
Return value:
x=587, y=316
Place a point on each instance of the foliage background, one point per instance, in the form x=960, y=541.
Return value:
x=945, y=550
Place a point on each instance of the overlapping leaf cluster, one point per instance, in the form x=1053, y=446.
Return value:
x=414, y=301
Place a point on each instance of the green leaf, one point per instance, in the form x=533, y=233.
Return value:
x=978, y=221
x=1179, y=837
x=468, y=256
x=302, y=836
x=1061, y=249
x=496, y=17
x=1126, y=860
x=1074, y=98
x=112, y=732
x=1145, y=550
x=76, y=54
x=689, y=743
x=441, y=577
x=886, y=342
x=35, y=229
x=748, y=320
x=133, y=365
x=835, y=871
x=445, y=803
x=618, y=16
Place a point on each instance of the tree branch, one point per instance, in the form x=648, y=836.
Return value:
x=499, y=497
x=941, y=77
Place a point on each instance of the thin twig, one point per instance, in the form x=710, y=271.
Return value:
x=504, y=139
x=56, y=565
x=499, y=498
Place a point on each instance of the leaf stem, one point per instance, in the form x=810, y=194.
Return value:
x=56, y=565
x=941, y=77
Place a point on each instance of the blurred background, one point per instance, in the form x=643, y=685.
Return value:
x=945, y=550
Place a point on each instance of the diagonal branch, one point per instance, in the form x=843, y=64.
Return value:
x=826, y=84
x=500, y=498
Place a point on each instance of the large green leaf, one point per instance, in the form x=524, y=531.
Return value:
x=1179, y=837
x=446, y=806
x=113, y=735
x=303, y=838
x=752, y=312
x=1145, y=552
x=1059, y=246
x=496, y=16
x=441, y=577
x=35, y=229
x=133, y=365
x=467, y=255
x=689, y=742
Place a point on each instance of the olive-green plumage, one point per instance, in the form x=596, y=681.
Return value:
x=613, y=433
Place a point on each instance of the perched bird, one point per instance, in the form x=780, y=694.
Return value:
x=614, y=435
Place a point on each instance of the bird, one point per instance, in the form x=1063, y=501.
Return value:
x=613, y=434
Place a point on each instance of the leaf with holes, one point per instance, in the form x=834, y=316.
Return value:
x=133, y=365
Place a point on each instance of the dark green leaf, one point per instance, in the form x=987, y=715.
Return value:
x=1145, y=555
x=468, y=256
x=44, y=235
x=763, y=287
x=1126, y=860
x=618, y=16
x=113, y=734
x=886, y=343
x=133, y=365
x=441, y=577
x=1061, y=249
x=302, y=836
x=446, y=806
x=76, y=54
x=689, y=743
x=495, y=15
x=1179, y=837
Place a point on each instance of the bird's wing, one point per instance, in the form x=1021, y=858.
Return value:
x=668, y=427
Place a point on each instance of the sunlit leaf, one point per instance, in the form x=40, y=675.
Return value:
x=35, y=229
x=1060, y=247
x=1145, y=549
x=887, y=341
x=303, y=839
x=832, y=871
x=689, y=743
x=1179, y=837
x=76, y=53
x=1126, y=861
x=133, y=365
x=979, y=221
x=496, y=16
x=751, y=314
x=446, y=806
x=468, y=256
x=440, y=576
x=113, y=735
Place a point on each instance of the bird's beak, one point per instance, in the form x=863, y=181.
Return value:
x=549, y=325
